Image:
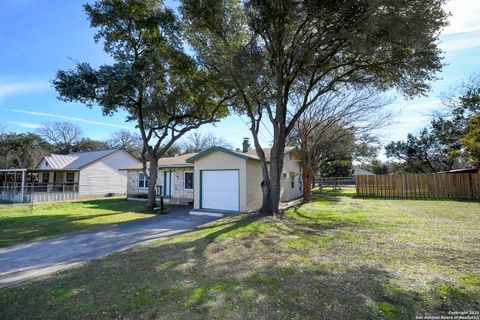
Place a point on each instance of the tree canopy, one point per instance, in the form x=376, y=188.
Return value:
x=282, y=55
x=163, y=89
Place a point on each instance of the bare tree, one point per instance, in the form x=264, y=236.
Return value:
x=329, y=128
x=196, y=142
x=127, y=140
x=63, y=135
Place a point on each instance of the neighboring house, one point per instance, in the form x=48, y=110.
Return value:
x=76, y=175
x=220, y=178
x=361, y=172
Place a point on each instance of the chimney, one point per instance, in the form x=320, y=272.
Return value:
x=245, y=145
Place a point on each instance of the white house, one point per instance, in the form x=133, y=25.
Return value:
x=72, y=176
x=219, y=178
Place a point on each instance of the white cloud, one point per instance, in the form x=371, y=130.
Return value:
x=460, y=41
x=57, y=116
x=27, y=125
x=426, y=106
x=465, y=16
x=11, y=88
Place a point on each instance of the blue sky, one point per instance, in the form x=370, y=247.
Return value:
x=38, y=37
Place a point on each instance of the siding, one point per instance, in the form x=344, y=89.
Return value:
x=254, y=190
x=291, y=167
x=103, y=176
x=218, y=161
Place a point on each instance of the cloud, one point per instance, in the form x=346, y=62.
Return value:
x=465, y=16
x=27, y=125
x=460, y=41
x=57, y=116
x=426, y=106
x=11, y=88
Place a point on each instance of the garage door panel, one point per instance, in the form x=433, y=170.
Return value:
x=220, y=189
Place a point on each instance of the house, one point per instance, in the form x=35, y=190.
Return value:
x=219, y=178
x=361, y=172
x=72, y=176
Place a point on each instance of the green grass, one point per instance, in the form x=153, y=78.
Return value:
x=338, y=257
x=20, y=223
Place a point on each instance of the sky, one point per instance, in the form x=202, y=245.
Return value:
x=39, y=37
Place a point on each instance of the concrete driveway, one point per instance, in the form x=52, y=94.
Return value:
x=25, y=261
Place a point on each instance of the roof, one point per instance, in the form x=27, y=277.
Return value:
x=74, y=161
x=170, y=162
x=361, y=172
x=250, y=154
x=186, y=160
x=267, y=151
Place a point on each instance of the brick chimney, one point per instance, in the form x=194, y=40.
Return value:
x=245, y=145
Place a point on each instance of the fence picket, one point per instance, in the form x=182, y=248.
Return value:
x=421, y=186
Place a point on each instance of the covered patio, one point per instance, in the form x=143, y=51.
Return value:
x=35, y=185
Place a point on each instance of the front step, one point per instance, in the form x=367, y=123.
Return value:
x=210, y=213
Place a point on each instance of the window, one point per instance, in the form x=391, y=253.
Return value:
x=188, y=181
x=142, y=181
x=46, y=177
x=70, y=176
x=292, y=180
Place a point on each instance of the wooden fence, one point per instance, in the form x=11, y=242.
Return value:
x=420, y=186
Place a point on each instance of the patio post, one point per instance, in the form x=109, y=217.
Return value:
x=23, y=185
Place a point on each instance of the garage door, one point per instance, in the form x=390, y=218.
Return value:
x=219, y=190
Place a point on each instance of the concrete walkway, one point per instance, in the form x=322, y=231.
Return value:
x=25, y=261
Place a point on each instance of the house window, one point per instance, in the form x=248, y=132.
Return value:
x=70, y=176
x=46, y=177
x=142, y=181
x=292, y=181
x=188, y=181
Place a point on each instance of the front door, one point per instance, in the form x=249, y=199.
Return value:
x=167, y=184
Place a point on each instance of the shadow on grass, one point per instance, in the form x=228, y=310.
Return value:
x=206, y=274
x=24, y=223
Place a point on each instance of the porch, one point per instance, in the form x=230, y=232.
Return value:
x=22, y=185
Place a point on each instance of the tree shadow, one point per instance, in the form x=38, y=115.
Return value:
x=225, y=270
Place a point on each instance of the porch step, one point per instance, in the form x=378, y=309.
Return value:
x=212, y=213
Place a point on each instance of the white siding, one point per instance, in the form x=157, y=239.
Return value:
x=103, y=176
x=291, y=167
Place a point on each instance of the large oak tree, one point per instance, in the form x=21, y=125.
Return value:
x=270, y=50
x=152, y=77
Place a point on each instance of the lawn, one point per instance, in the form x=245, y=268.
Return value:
x=338, y=257
x=20, y=223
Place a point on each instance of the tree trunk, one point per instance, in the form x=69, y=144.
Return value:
x=152, y=183
x=307, y=183
x=276, y=167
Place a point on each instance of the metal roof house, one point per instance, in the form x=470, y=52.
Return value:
x=64, y=177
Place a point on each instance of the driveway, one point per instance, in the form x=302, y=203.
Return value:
x=25, y=261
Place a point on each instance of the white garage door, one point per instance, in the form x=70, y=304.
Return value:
x=219, y=190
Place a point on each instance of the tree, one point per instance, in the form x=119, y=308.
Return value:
x=161, y=88
x=422, y=153
x=449, y=141
x=87, y=144
x=22, y=150
x=336, y=128
x=471, y=140
x=127, y=140
x=196, y=142
x=62, y=135
x=270, y=50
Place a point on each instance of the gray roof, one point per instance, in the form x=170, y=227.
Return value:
x=75, y=161
x=361, y=172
